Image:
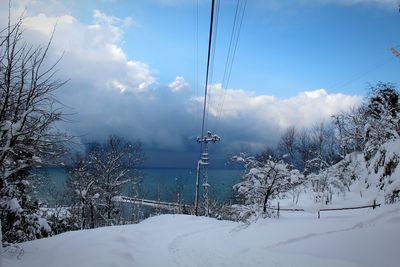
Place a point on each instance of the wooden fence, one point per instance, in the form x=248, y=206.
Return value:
x=279, y=209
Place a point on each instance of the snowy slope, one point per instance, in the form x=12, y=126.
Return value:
x=342, y=239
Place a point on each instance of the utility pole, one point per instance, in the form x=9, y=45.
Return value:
x=202, y=170
x=202, y=164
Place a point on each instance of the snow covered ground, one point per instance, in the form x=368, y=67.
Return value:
x=348, y=238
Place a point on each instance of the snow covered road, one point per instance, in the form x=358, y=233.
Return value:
x=178, y=240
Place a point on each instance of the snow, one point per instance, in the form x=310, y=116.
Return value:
x=44, y=226
x=14, y=206
x=364, y=238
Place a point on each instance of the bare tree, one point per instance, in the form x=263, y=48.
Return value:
x=304, y=148
x=28, y=136
x=287, y=145
x=83, y=191
x=324, y=147
x=267, y=153
x=350, y=127
x=100, y=175
x=115, y=163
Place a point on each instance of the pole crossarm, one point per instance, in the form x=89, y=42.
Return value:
x=209, y=138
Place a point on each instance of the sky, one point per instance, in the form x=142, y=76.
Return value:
x=137, y=68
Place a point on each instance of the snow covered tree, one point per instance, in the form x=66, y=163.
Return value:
x=82, y=183
x=373, y=129
x=382, y=112
x=100, y=175
x=264, y=180
x=114, y=164
x=349, y=126
x=28, y=137
x=382, y=139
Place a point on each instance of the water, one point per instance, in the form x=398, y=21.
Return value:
x=160, y=184
x=164, y=182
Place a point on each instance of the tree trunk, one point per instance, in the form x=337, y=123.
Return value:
x=1, y=246
x=267, y=195
x=92, y=215
x=266, y=199
x=109, y=211
x=83, y=225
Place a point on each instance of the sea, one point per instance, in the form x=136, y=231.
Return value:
x=155, y=184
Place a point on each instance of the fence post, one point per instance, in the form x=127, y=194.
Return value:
x=319, y=215
x=374, y=206
x=278, y=210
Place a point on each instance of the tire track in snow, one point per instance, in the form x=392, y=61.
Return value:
x=369, y=223
x=175, y=248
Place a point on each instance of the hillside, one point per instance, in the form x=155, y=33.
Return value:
x=349, y=238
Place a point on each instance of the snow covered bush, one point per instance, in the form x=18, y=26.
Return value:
x=27, y=224
x=335, y=179
x=384, y=170
x=60, y=218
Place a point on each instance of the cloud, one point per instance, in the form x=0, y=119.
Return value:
x=92, y=52
x=101, y=18
x=179, y=84
x=390, y=3
x=279, y=4
x=256, y=120
x=180, y=2
x=112, y=93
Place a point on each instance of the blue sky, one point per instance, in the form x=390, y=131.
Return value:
x=131, y=66
x=284, y=48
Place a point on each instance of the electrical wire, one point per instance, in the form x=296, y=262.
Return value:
x=211, y=101
x=234, y=40
x=197, y=109
x=207, y=71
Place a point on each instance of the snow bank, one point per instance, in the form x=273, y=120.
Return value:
x=369, y=239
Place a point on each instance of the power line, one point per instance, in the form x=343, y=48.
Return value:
x=359, y=75
x=231, y=41
x=214, y=44
x=234, y=40
x=197, y=110
x=208, y=67
x=236, y=43
x=202, y=164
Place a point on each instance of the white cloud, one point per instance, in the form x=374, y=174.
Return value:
x=302, y=110
x=35, y=7
x=278, y=4
x=179, y=84
x=110, y=92
x=180, y=2
x=102, y=18
x=274, y=4
x=93, y=54
x=391, y=3
x=45, y=25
